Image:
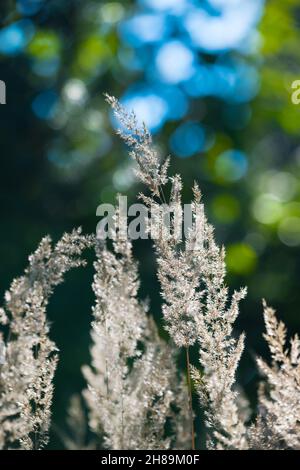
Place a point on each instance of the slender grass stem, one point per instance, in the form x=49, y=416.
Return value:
x=189, y=383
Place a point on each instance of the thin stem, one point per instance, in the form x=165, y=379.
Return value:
x=106, y=365
x=162, y=199
x=189, y=383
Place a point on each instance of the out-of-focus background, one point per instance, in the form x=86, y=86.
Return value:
x=212, y=80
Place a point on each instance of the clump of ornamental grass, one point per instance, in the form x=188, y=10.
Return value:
x=278, y=423
x=135, y=396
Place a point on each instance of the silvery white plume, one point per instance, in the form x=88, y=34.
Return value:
x=197, y=307
x=278, y=423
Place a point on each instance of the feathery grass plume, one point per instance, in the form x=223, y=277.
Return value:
x=76, y=437
x=132, y=385
x=135, y=397
x=150, y=170
x=219, y=351
x=194, y=292
x=196, y=310
x=278, y=425
x=28, y=357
